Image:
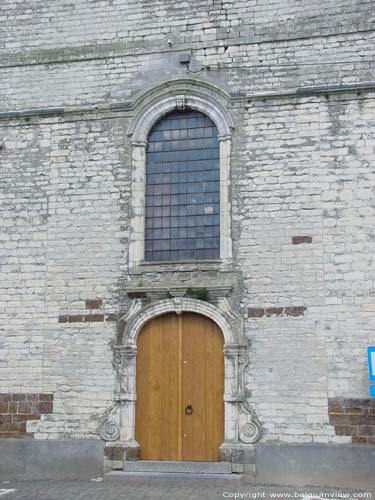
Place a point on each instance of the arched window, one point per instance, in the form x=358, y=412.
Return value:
x=182, y=218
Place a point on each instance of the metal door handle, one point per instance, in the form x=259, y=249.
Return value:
x=189, y=410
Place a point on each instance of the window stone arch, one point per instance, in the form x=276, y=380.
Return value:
x=146, y=118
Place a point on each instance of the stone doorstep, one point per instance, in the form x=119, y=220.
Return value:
x=178, y=467
x=120, y=475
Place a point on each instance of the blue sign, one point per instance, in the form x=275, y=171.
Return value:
x=372, y=391
x=371, y=363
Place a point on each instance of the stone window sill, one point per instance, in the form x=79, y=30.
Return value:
x=180, y=265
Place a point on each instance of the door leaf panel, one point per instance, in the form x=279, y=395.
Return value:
x=180, y=387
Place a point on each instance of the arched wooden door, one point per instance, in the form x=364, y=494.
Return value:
x=180, y=388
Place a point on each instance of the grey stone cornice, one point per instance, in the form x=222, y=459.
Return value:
x=239, y=96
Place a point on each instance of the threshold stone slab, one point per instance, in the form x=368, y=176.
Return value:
x=187, y=467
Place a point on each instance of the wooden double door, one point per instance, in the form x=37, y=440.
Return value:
x=180, y=388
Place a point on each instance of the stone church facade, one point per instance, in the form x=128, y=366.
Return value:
x=287, y=90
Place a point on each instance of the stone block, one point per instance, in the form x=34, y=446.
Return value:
x=29, y=459
x=343, y=466
x=237, y=468
x=255, y=312
x=117, y=464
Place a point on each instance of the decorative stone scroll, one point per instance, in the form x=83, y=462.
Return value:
x=109, y=429
x=252, y=430
x=124, y=364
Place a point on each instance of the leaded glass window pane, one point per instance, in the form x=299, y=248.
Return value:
x=182, y=188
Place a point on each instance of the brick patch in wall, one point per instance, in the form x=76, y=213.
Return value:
x=94, y=303
x=259, y=312
x=353, y=417
x=87, y=318
x=17, y=409
x=297, y=240
x=274, y=311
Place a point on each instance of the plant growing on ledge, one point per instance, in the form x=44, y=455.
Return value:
x=197, y=293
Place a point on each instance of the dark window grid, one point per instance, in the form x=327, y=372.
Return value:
x=194, y=176
x=183, y=185
x=182, y=244
x=179, y=170
x=198, y=187
x=161, y=138
x=180, y=162
x=182, y=145
x=167, y=212
x=181, y=233
x=172, y=233
x=155, y=167
x=178, y=121
x=185, y=155
x=169, y=134
x=186, y=244
x=182, y=178
x=184, y=221
x=177, y=208
x=183, y=210
x=182, y=254
x=179, y=199
x=182, y=133
x=199, y=221
x=157, y=229
x=179, y=237
x=187, y=196
x=206, y=158
x=182, y=166
x=188, y=221
x=201, y=153
x=158, y=200
x=191, y=137
x=184, y=200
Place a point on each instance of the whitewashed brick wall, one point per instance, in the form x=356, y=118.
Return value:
x=301, y=166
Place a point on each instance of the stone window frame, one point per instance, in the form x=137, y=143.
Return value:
x=149, y=113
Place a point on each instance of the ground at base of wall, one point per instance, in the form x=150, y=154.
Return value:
x=161, y=488
x=341, y=466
